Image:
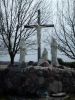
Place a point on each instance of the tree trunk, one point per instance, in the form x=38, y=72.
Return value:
x=12, y=56
x=12, y=60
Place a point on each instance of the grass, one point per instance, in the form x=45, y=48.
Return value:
x=70, y=97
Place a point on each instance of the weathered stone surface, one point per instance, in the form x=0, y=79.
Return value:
x=55, y=86
x=54, y=47
x=45, y=54
x=43, y=63
x=35, y=81
x=23, y=50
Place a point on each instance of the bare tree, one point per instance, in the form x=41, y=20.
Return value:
x=65, y=28
x=14, y=14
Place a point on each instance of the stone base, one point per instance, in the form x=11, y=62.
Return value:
x=35, y=81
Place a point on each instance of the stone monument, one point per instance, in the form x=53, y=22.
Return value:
x=22, y=50
x=54, y=48
x=38, y=27
x=45, y=54
x=44, y=57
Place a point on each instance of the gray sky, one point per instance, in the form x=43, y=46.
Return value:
x=44, y=35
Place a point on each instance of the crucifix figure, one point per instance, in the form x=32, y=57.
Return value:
x=38, y=28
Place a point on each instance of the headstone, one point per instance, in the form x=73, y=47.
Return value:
x=54, y=48
x=22, y=50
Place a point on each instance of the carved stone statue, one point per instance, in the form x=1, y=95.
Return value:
x=54, y=48
x=45, y=54
x=22, y=50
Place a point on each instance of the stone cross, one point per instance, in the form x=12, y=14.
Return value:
x=38, y=28
x=22, y=47
x=54, y=52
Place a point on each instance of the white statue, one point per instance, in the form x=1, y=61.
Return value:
x=54, y=48
x=44, y=57
x=22, y=50
x=45, y=54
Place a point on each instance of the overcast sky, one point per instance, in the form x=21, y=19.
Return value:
x=45, y=33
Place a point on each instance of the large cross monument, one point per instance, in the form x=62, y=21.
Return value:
x=38, y=27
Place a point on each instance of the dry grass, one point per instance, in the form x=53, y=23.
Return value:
x=2, y=67
x=70, y=97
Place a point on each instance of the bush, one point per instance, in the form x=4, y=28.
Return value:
x=23, y=65
x=67, y=64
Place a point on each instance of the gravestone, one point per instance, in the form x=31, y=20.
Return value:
x=54, y=48
x=22, y=50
